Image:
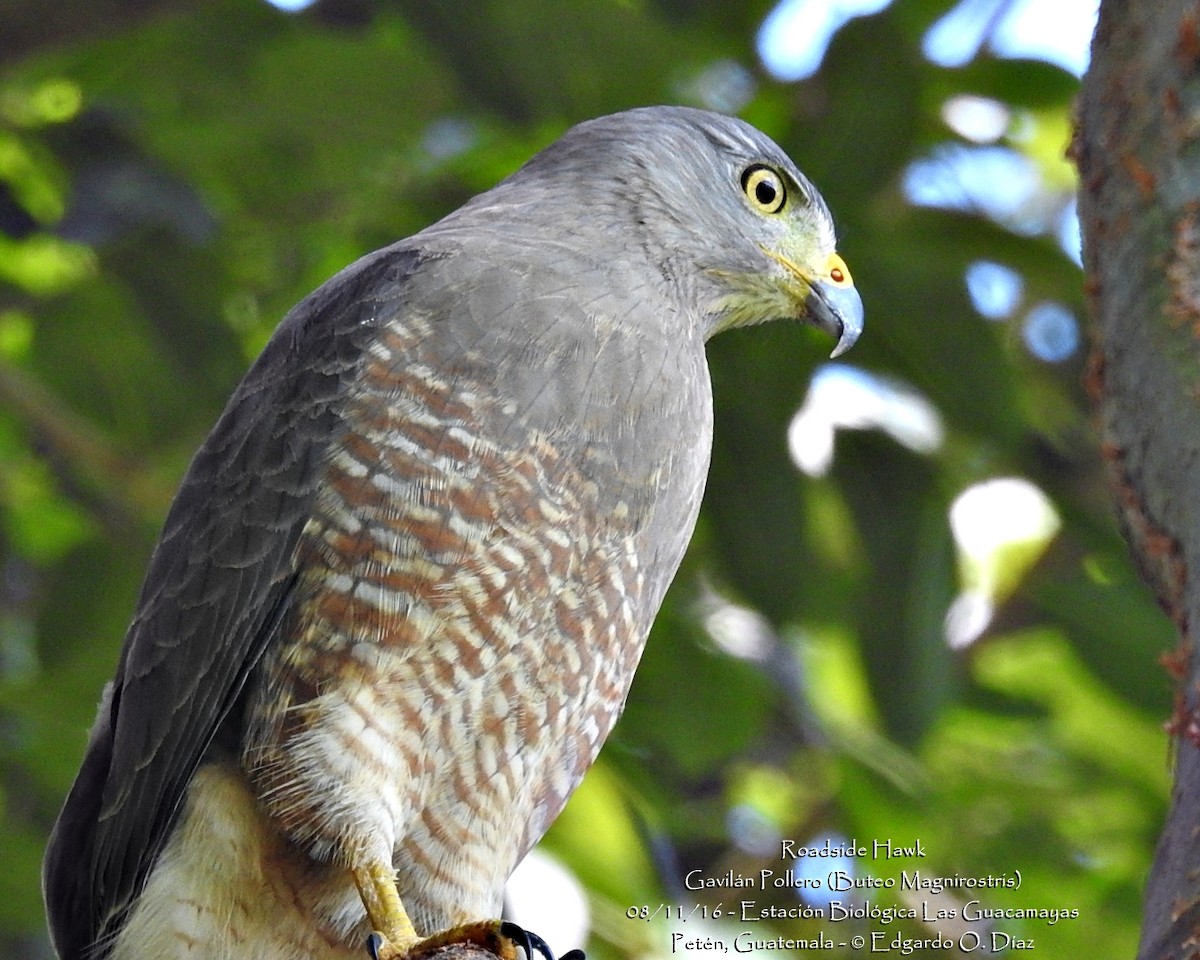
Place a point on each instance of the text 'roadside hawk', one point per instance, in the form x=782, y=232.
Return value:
x=398, y=602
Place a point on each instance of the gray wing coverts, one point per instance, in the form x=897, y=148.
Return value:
x=216, y=593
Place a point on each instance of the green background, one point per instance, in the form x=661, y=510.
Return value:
x=172, y=182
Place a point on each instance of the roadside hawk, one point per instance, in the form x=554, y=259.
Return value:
x=398, y=602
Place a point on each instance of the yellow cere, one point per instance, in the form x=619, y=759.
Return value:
x=837, y=272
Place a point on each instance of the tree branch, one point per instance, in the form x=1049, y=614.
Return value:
x=114, y=488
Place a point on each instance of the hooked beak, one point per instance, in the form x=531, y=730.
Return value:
x=838, y=310
x=832, y=303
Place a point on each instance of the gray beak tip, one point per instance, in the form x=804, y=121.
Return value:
x=838, y=310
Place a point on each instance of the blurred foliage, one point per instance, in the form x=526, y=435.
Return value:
x=169, y=188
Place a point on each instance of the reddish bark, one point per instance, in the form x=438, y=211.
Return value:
x=1138, y=151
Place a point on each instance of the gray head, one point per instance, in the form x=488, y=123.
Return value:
x=713, y=203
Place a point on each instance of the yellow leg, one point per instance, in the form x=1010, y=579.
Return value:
x=377, y=886
x=395, y=939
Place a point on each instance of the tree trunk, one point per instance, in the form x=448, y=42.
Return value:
x=1138, y=151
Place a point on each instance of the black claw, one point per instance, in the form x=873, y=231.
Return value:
x=374, y=942
x=521, y=937
x=531, y=943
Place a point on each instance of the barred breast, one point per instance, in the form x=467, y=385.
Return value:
x=477, y=582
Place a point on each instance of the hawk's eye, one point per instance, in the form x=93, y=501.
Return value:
x=765, y=189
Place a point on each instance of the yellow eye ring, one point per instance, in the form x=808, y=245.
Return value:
x=764, y=188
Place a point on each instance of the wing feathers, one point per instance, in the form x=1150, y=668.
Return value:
x=215, y=595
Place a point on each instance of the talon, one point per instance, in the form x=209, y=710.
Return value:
x=522, y=938
x=379, y=948
x=531, y=943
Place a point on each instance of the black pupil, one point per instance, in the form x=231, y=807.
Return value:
x=765, y=193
